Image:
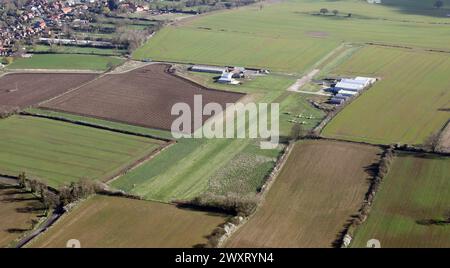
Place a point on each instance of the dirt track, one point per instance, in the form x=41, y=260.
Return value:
x=24, y=89
x=143, y=97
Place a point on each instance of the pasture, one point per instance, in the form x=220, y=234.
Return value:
x=76, y=50
x=409, y=103
x=160, y=134
x=17, y=209
x=103, y=222
x=411, y=206
x=321, y=185
x=289, y=36
x=147, y=101
x=58, y=153
x=66, y=62
x=20, y=90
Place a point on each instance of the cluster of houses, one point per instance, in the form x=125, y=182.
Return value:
x=40, y=17
x=36, y=17
x=347, y=88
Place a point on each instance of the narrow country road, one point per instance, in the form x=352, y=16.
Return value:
x=58, y=212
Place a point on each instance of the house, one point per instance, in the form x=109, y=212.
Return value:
x=66, y=10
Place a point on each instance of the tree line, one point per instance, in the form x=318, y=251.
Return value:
x=65, y=195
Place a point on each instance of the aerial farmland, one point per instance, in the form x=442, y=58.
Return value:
x=311, y=200
x=359, y=89
x=58, y=152
x=20, y=90
x=108, y=218
x=145, y=102
x=383, y=114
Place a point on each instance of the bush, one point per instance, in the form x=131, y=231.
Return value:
x=231, y=203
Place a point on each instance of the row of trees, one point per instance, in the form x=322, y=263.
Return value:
x=381, y=170
x=64, y=196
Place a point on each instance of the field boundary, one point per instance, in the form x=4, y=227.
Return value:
x=269, y=181
x=140, y=162
x=344, y=238
x=51, y=71
x=86, y=124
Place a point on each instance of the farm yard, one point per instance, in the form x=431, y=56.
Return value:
x=18, y=208
x=407, y=105
x=58, y=153
x=145, y=102
x=413, y=199
x=321, y=185
x=105, y=221
x=20, y=90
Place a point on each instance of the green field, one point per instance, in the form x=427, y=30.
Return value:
x=406, y=106
x=66, y=61
x=161, y=134
x=288, y=36
x=58, y=152
x=416, y=189
x=76, y=50
x=241, y=49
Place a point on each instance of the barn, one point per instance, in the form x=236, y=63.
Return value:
x=342, y=85
x=208, y=69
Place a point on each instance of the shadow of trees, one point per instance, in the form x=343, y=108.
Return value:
x=418, y=7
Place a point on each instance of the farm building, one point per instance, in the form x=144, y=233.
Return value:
x=337, y=101
x=208, y=69
x=367, y=80
x=227, y=78
x=347, y=93
x=340, y=96
x=349, y=86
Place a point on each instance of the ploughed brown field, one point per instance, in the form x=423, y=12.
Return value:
x=322, y=184
x=20, y=90
x=143, y=97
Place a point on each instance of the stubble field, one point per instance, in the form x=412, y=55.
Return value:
x=321, y=185
x=103, y=222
